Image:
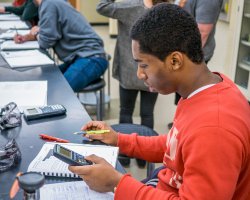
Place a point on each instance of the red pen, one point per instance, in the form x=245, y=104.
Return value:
x=48, y=137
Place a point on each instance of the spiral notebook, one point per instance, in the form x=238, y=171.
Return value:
x=49, y=165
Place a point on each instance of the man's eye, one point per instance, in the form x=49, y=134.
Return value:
x=143, y=65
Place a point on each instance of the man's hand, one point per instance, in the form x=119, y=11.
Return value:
x=110, y=138
x=2, y=9
x=23, y=38
x=19, y=39
x=101, y=176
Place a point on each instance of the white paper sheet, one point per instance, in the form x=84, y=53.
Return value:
x=77, y=190
x=5, y=25
x=11, y=45
x=9, y=17
x=9, y=35
x=24, y=93
x=17, y=59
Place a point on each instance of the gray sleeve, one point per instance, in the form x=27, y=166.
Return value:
x=50, y=28
x=207, y=11
x=112, y=9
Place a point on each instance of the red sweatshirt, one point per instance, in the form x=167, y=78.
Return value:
x=206, y=153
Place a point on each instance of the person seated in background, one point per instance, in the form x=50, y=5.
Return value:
x=206, y=154
x=74, y=41
x=17, y=3
x=27, y=11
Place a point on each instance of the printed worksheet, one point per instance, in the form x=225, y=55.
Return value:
x=77, y=190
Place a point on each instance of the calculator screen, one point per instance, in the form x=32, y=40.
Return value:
x=32, y=111
x=65, y=152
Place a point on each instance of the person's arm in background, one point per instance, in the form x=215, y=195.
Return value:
x=112, y=9
x=26, y=12
x=205, y=30
x=15, y=10
x=206, y=15
x=50, y=32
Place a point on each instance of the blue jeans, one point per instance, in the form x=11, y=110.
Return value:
x=82, y=71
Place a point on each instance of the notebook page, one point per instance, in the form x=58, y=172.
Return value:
x=9, y=17
x=9, y=35
x=11, y=45
x=77, y=190
x=24, y=93
x=5, y=25
x=26, y=58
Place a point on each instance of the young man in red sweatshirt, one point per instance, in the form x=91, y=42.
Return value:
x=206, y=154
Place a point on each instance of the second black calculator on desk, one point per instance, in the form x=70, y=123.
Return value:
x=44, y=112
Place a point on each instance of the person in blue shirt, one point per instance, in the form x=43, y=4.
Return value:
x=72, y=38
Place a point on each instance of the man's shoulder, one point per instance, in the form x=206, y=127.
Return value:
x=53, y=3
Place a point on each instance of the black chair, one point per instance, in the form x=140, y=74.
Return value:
x=140, y=130
x=97, y=87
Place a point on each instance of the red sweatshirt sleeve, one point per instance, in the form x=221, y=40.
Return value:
x=151, y=149
x=201, y=152
x=130, y=188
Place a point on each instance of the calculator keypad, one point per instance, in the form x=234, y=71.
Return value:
x=49, y=109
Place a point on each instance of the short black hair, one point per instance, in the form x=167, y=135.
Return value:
x=154, y=2
x=166, y=28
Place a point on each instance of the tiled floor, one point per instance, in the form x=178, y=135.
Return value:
x=164, y=109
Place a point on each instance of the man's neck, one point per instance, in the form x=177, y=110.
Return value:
x=199, y=78
x=148, y=3
x=38, y=2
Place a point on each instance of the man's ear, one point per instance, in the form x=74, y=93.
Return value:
x=176, y=60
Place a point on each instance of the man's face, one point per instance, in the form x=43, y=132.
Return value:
x=156, y=74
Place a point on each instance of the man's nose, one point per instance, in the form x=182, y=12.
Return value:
x=140, y=74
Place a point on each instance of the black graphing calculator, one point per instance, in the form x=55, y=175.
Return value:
x=70, y=157
x=44, y=111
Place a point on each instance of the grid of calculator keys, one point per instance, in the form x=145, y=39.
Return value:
x=47, y=109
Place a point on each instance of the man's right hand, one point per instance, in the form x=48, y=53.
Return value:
x=24, y=38
x=19, y=39
x=2, y=9
x=110, y=138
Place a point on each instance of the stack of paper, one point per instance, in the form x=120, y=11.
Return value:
x=24, y=93
x=9, y=17
x=9, y=35
x=11, y=45
x=29, y=58
x=5, y=25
